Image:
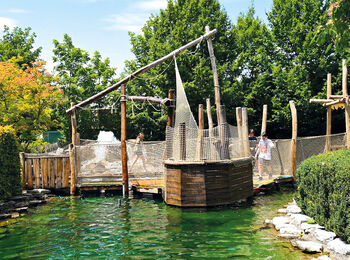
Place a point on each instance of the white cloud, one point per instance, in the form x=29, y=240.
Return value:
x=126, y=22
x=7, y=21
x=151, y=5
x=17, y=11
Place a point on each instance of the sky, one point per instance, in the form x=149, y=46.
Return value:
x=100, y=25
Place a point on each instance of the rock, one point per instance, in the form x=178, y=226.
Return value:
x=21, y=210
x=339, y=246
x=267, y=221
x=40, y=191
x=22, y=204
x=34, y=203
x=289, y=236
x=322, y=257
x=308, y=246
x=282, y=210
x=324, y=236
x=279, y=226
x=5, y=216
x=297, y=219
x=310, y=227
x=19, y=198
x=290, y=231
x=293, y=209
x=280, y=220
x=15, y=215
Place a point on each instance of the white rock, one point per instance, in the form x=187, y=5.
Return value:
x=324, y=236
x=282, y=211
x=289, y=236
x=322, y=257
x=309, y=246
x=290, y=230
x=279, y=226
x=267, y=221
x=310, y=227
x=297, y=219
x=280, y=220
x=339, y=246
x=293, y=209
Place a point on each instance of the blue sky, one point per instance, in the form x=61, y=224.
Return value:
x=100, y=25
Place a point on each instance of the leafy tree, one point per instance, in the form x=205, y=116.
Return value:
x=18, y=43
x=26, y=100
x=81, y=76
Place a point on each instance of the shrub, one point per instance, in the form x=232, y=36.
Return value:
x=324, y=190
x=10, y=180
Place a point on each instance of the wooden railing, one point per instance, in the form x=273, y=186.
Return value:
x=45, y=171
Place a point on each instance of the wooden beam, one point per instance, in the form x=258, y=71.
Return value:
x=215, y=76
x=171, y=109
x=239, y=130
x=138, y=72
x=321, y=101
x=74, y=125
x=210, y=119
x=155, y=100
x=264, y=119
x=199, y=153
x=124, y=154
x=329, y=114
x=246, y=145
x=72, y=168
x=294, y=137
x=346, y=100
x=334, y=96
x=334, y=102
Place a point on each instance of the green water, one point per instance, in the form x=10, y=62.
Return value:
x=97, y=228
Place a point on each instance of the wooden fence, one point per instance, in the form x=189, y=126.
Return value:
x=45, y=171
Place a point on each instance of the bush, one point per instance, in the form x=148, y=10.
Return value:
x=324, y=190
x=10, y=179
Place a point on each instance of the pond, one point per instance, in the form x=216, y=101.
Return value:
x=102, y=228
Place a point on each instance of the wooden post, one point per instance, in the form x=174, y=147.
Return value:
x=72, y=168
x=182, y=138
x=215, y=76
x=199, y=153
x=210, y=119
x=23, y=169
x=74, y=125
x=123, y=142
x=346, y=104
x=264, y=119
x=171, y=108
x=239, y=130
x=329, y=114
x=245, y=130
x=170, y=123
x=294, y=137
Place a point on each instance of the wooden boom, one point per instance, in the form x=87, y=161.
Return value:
x=139, y=71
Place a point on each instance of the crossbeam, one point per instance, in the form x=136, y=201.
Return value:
x=155, y=100
x=342, y=100
x=138, y=72
x=320, y=101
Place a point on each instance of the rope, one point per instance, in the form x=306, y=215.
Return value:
x=156, y=75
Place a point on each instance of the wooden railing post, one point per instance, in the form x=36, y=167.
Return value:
x=123, y=142
x=294, y=137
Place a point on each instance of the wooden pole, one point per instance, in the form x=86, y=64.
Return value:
x=210, y=119
x=239, y=130
x=123, y=142
x=264, y=119
x=140, y=71
x=23, y=169
x=329, y=114
x=72, y=169
x=74, y=125
x=294, y=137
x=199, y=153
x=215, y=75
x=171, y=108
x=245, y=130
x=182, y=137
x=347, y=107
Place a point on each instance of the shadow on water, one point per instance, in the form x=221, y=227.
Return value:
x=114, y=227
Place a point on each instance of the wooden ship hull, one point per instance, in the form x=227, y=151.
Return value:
x=206, y=184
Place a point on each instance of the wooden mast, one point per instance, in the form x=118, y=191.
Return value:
x=123, y=142
x=346, y=103
x=329, y=114
x=294, y=137
x=215, y=76
x=139, y=71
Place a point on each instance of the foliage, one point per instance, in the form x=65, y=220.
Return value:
x=324, y=190
x=26, y=99
x=18, y=43
x=80, y=77
x=10, y=180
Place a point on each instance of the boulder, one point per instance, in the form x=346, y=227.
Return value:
x=280, y=220
x=34, y=203
x=308, y=246
x=282, y=210
x=293, y=230
x=322, y=257
x=339, y=246
x=293, y=209
x=310, y=227
x=22, y=204
x=279, y=226
x=40, y=191
x=297, y=219
x=324, y=236
x=288, y=236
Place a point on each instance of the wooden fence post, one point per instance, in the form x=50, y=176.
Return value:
x=329, y=114
x=346, y=104
x=239, y=130
x=199, y=153
x=264, y=119
x=245, y=130
x=23, y=169
x=294, y=137
x=72, y=168
x=123, y=142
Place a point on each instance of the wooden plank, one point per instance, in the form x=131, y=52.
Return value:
x=29, y=174
x=49, y=169
x=44, y=175
x=59, y=173
x=53, y=171
x=72, y=169
x=36, y=170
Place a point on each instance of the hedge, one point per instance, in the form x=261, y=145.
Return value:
x=10, y=180
x=324, y=190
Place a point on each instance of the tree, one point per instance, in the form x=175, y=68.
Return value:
x=18, y=43
x=81, y=76
x=27, y=96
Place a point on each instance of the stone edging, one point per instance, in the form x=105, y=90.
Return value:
x=310, y=238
